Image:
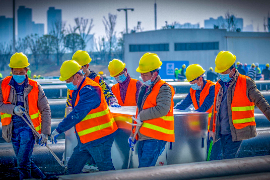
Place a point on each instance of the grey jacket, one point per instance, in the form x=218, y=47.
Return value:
x=163, y=104
x=253, y=95
x=43, y=107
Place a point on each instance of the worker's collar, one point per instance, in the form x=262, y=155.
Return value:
x=81, y=84
x=126, y=81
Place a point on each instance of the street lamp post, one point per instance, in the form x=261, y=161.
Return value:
x=126, y=9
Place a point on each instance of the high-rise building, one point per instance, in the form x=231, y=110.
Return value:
x=24, y=21
x=6, y=30
x=268, y=24
x=53, y=16
x=38, y=29
x=222, y=23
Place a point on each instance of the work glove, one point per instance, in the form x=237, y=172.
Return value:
x=43, y=139
x=54, y=135
x=19, y=110
x=132, y=143
x=115, y=105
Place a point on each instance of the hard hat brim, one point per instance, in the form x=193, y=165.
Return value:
x=115, y=74
x=18, y=67
x=196, y=77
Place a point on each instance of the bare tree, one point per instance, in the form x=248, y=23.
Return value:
x=110, y=29
x=58, y=33
x=84, y=27
x=35, y=45
x=231, y=21
x=73, y=39
x=21, y=45
x=46, y=46
x=5, y=54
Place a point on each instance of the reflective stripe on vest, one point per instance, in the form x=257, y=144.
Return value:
x=32, y=103
x=161, y=128
x=98, y=122
x=130, y=98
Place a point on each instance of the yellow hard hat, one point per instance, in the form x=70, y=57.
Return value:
x=252, y=65
x=115, y=67
x=82, y=57
x=238, y=63
x=267, y=65
x=35, y=76
x=100, y=72
x=183, y=66
x=224, y=60
x=18, y=60
x=68, y=69
x=211, y=68
x=194, y=71
x=149, y=62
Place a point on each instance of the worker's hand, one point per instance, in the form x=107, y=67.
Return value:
x=19, y=110
x=115, y=105
x=54, y=135
x=43, y=139
x=132, y=143
x=211, y=135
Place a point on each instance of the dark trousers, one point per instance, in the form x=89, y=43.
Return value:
x=149, y=151
x=23, y=142
x=225, y=148
x=99, y=155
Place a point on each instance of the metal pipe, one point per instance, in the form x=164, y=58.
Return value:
x=184, y=171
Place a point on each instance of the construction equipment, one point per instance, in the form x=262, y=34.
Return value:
x=26, y=118
x=138, y=124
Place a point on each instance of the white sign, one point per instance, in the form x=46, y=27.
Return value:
x=170, y=68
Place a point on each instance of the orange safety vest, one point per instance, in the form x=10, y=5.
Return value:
x=242, y=108
x=32, y=103
x=97, y=79
x=161, y=128
x=98, y=122
x=130, y=94
x=203, y=95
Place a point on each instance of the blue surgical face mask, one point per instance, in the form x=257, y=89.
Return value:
x=19, y=78
x=71, y=86
x=121, y=78
x=148, y=83
x=195, y=86
x=225, y=77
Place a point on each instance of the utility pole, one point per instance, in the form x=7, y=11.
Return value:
x=14, y=41
x=155, y=6
x=126, y=9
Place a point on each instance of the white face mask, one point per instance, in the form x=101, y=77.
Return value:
x=148, y=82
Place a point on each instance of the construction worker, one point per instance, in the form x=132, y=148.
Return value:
x=176, y=73
x=246, y=69
x=127, y=89
x=252, y=72
x=233, y=111
x=211, y=76
x=29, y=72
x=83, y=58
x=19, y=96
x=101, y=74
x=1, y=76
x=182, y=73
x=94, y=124
x=201, y=93
x=154, y=110
x=266, y=72
x=237, y=64
x=258, y=72
x=241, y=70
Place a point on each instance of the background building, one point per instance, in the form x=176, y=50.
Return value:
x=6, y=29
x=221, y=23
x=53, y=16
x=194, y=46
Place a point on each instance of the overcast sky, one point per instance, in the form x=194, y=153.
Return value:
x=182, y=11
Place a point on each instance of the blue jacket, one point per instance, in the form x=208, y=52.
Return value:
x=90, y=98
x=208, y=102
